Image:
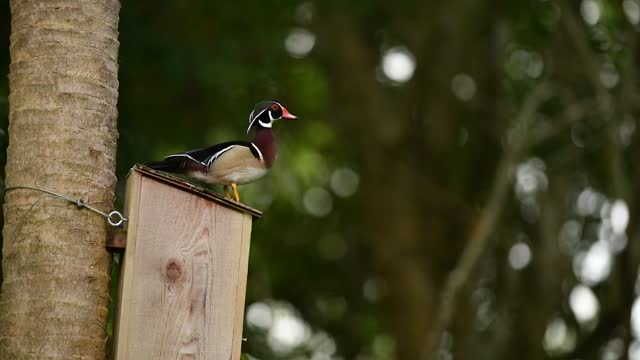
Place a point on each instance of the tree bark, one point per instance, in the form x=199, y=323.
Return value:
x=62, y=138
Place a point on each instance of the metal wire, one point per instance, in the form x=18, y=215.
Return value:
x=114, y=218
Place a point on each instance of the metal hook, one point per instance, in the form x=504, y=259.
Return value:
x=115, y=218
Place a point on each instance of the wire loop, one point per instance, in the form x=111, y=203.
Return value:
x=114, y=218
x=119, y=219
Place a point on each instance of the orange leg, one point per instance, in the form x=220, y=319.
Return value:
x=235, y=192
x=225, y=188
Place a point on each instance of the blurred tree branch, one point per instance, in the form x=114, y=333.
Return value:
x=394, y=220
x=485, y=225
x=611, y=109
x=606, y=106
x=407, y=151
x=351, y=60
x=412, y=127
x=572, y=114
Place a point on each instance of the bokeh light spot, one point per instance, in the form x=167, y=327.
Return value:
x=535, y=66
x=593, y=266
x=323, y=346
x=299, y=42
x=287, y=331
x=344, y=182
x=634, y=350
x=590, y=11
x=530, y=178
x=616, y=241
x=371, y=290
x=589, y=202
x=304, y=12
x=584, y=304
x=609, y=75
x=559, y=338
x=463, y=87
x=522, y=63
x=383, y=346
x=635, y=318
x=632, y=11
x=613, y=350
x=619, y=216
x=318, y=202
x=626, y=130
x=569, y=237
x=259, y=315
x=519, y=256
x=398, y=64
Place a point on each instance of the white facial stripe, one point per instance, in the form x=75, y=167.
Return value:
x=258, y=150
x=269, y=124
x=254, y=119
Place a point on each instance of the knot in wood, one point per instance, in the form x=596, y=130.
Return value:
x=173, y=269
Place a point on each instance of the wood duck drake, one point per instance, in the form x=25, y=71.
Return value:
x=233, y=162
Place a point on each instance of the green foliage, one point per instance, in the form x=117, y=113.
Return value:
x=248, y=357
x=191, y=71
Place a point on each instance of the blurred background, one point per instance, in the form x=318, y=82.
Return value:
x=461, y=184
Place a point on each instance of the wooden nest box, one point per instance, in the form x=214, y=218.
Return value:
x=183, y=279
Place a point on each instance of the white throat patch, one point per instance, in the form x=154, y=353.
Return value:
x=269, y=124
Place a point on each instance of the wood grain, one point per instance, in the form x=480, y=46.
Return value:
x=184, y=276
x=243, y=267
x=122, y=316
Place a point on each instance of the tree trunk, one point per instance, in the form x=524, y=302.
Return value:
x=62, y=138
x=416, y=223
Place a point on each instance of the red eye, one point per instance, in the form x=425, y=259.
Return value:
x=274, y=107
